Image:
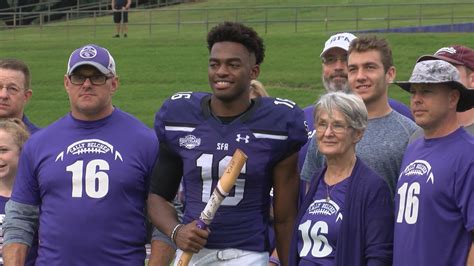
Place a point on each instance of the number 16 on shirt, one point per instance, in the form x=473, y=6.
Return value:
x=225, y=184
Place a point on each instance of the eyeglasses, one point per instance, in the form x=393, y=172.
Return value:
x=95, y=80
x=11, y=89
x=336, y=127
x=332, y=59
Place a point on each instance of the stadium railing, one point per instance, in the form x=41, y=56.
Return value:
x=332, y=18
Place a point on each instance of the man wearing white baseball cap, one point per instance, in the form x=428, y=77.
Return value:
x=462, y=58
x=334, y=59
x=434, y=204
x=82, y=181
x=334, y=62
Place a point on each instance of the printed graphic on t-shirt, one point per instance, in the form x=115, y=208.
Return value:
x=419, y=171
x=93, y=172
x=321, y=215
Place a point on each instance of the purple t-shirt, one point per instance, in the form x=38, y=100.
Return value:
x=434, y=203
x=319, y=227
x=268, y=132
x=32, y=128
x=90, y=180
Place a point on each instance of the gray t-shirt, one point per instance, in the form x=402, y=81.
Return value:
x=381, y=147
x=419, y=133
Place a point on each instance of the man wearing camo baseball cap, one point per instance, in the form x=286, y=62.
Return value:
x=434, y=188
x=438, y=73
x=462, y=58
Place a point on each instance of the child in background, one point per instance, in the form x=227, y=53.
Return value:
x=13, y=135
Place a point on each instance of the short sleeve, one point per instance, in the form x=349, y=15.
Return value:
x=25, y=189
x=464, y=194
x=297, y=131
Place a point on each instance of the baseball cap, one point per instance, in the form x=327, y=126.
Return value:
x=93, y=55
x=456, y=54
x=340, y=40
x=440, y=72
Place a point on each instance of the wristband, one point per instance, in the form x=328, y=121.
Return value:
x=175, y=232
x=274, y=260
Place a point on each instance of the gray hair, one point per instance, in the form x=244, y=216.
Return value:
x=350, y=105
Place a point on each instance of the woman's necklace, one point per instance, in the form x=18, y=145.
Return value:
x=329, y=191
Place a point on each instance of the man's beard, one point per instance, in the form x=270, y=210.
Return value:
x=332, y=86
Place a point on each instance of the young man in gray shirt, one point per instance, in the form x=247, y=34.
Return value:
x=370, y=71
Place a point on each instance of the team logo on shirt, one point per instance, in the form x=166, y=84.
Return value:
x=85, y=146
x=189, y=142
x=324, y=207
x=245, y=139
x=419, y=168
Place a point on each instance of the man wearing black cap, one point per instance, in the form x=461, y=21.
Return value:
x=462, y=58
x=83, y=180
x=434, y=200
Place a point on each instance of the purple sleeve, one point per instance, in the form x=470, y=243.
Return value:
x=159, y=125
x=297, y=132
x=379, y=214
x=464, y=193
x=400, y=108
x=25, y=189
x=308, y=114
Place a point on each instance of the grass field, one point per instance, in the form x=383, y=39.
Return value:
x=152, y=68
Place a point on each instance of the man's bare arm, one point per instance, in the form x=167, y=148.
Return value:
x=285, y=191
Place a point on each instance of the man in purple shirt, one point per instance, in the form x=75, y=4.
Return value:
x=15, y=85
x=82, y=182
x=462, y=58
x=434, y=201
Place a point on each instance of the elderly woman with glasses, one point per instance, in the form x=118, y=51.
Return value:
x=347, y=215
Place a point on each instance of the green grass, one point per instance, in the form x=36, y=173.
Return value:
x=152, y=67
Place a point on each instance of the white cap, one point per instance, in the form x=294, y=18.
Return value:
x=340, y=40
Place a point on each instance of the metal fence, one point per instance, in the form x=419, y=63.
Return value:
x=328, y=18
x=49, y=11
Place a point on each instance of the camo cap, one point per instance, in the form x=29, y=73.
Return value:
x=440, y=72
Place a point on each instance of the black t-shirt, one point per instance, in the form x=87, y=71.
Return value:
x=120, y=3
